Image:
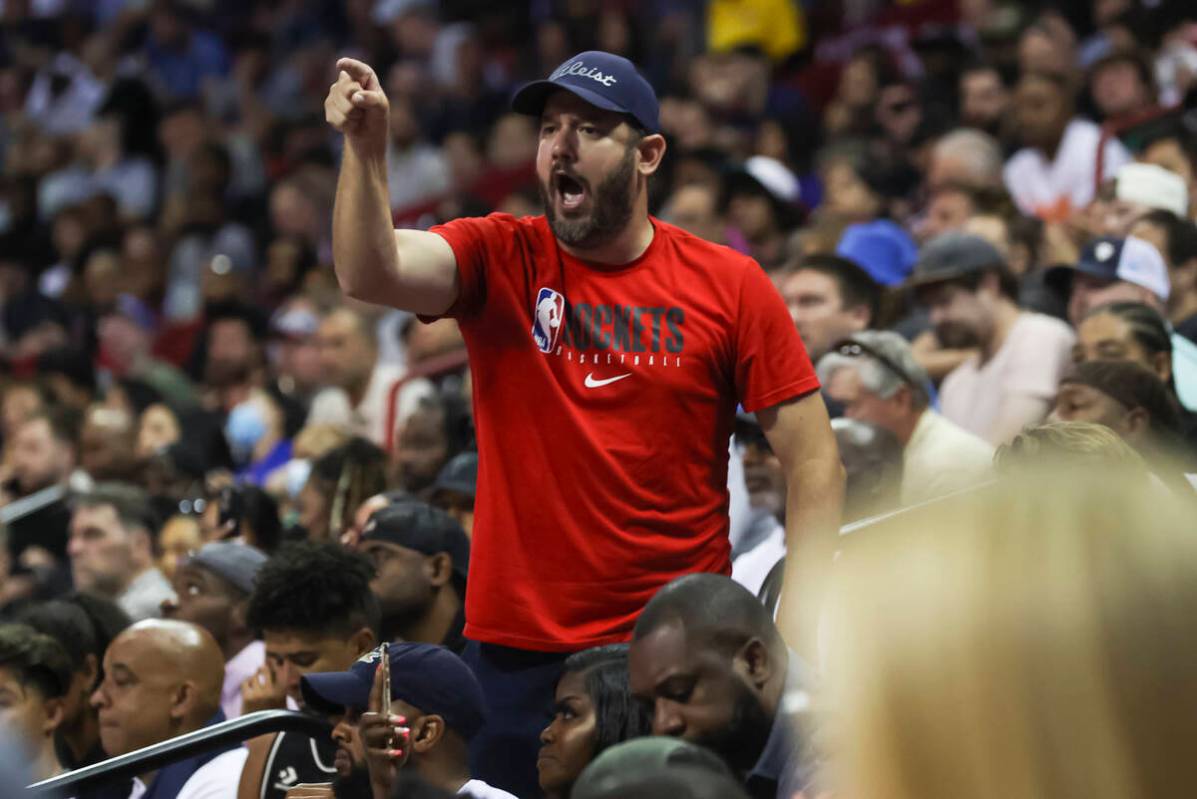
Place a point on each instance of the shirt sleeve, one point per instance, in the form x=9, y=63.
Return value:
x=474, y=241
x=771, y=361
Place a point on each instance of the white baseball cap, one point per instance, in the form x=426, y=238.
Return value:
x=1153, y=186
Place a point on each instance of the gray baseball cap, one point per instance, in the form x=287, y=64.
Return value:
x=237, y=563
x=952, y=255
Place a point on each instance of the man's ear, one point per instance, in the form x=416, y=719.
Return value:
x=1136, y=422
x=861, y=315
x=439, y=568
x=183, y=700
x=427, y=732
x=238, y=614
x=1161, y=364
x=363, y=640
x=755, y=663
x=55, y=714
x=652, y=151
x=904, y=397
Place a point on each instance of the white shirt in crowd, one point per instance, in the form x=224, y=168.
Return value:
x=1030, y=363
x=369, y=418
x=216, y=779
x=1067, y=182
x=942, y=457
x=480, y=790
x=240, y=668
x=143, y=598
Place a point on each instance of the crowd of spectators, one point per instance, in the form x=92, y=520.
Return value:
x=223, y=483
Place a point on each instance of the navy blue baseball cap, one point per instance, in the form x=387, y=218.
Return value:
x=425, y=676
x=605, y=80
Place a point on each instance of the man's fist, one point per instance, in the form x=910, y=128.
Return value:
x=357, y=107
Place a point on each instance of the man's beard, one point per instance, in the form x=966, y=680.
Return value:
x=742, y=741
x=355, y=786
x=956, y=336
x=610, y=213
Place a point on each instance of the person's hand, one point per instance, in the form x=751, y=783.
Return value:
x=386, y=741
x=311, y=790
x=357, y=107
x=263, y=691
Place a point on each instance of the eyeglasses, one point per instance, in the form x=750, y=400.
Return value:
x=852, y=348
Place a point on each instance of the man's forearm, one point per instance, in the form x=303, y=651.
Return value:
x=364, y=251
x=814, y=509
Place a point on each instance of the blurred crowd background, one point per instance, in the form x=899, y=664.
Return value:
x=979, y=212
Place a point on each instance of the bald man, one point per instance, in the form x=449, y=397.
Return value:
x=162, y=679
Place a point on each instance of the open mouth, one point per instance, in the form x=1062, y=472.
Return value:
x=571, y=192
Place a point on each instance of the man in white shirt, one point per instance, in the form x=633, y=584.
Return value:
x=1055, y=173
x=213, y=588
x=1012, y=380
x=440, y=706
x=874, y=375
x=161, y=680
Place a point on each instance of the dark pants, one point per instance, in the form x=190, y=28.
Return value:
x=518, y=686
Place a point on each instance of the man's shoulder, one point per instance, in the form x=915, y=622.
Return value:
x=708, y=253
x=480, y=790
x=218, y=778
x=946, y=434
x=1036, y=329
x=497, y=225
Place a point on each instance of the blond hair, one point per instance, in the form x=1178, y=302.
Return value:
x=1031, y=639
x=1064, y=444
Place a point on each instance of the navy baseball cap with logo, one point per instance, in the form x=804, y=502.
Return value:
x=1131, y=259
x=425, y=676
x=605, y=80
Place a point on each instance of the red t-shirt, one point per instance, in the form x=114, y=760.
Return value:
x=604, y=400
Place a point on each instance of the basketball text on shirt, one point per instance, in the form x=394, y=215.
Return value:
x=606, y=328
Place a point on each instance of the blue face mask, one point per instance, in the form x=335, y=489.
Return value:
x=244, y=429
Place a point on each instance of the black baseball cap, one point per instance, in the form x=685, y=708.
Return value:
x=417, y=525
x=426, y=676
x=605, y=80
x=460, y=474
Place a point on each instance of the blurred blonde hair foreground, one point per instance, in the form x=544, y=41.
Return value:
x=1037, y=638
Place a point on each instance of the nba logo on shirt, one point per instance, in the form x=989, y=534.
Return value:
x=547, y=317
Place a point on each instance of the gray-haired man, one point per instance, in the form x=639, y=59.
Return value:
x=875, y=376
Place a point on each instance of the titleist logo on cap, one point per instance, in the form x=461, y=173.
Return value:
x=580, y=68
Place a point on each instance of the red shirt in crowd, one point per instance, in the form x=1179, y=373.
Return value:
x=604, y=399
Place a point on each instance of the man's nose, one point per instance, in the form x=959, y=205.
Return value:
x=563, y=144
x=667, y=720
x=169, y=608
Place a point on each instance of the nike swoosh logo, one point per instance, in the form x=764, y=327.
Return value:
x=592, y=383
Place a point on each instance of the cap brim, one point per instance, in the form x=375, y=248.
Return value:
x=334, y=691
x=916, y=281
x=531, y=97
x=1059, y=278
x=461, y=487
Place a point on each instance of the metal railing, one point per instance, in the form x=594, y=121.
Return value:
x=151, y=758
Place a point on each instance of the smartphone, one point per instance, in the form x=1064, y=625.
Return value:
x=385, y=665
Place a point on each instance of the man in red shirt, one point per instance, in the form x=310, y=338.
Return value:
x=609, y=351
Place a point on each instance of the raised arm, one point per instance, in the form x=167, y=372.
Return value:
x=409, y=269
